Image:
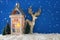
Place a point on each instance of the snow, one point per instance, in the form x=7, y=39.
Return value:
x=31, y=37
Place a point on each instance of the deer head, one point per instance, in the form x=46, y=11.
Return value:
x=34, y=16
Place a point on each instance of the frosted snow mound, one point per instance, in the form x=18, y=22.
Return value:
x=31, y=37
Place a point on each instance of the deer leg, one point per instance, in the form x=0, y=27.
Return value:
x=31, y=29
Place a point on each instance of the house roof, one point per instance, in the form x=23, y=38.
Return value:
x=17, y=10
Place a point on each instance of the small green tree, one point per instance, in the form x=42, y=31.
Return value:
x=4, y=33
x=7, y=29
x=27, y=29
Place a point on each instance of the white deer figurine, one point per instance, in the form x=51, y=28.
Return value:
x=34, y=17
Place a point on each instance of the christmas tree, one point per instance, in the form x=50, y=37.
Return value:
x=7, y=29
x=27, y=29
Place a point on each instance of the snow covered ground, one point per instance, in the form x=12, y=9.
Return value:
x=31, y=37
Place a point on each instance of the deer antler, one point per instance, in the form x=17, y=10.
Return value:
x=30, y=10
x=38, y=12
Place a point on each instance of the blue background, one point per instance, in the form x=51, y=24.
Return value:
x=47, y=22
